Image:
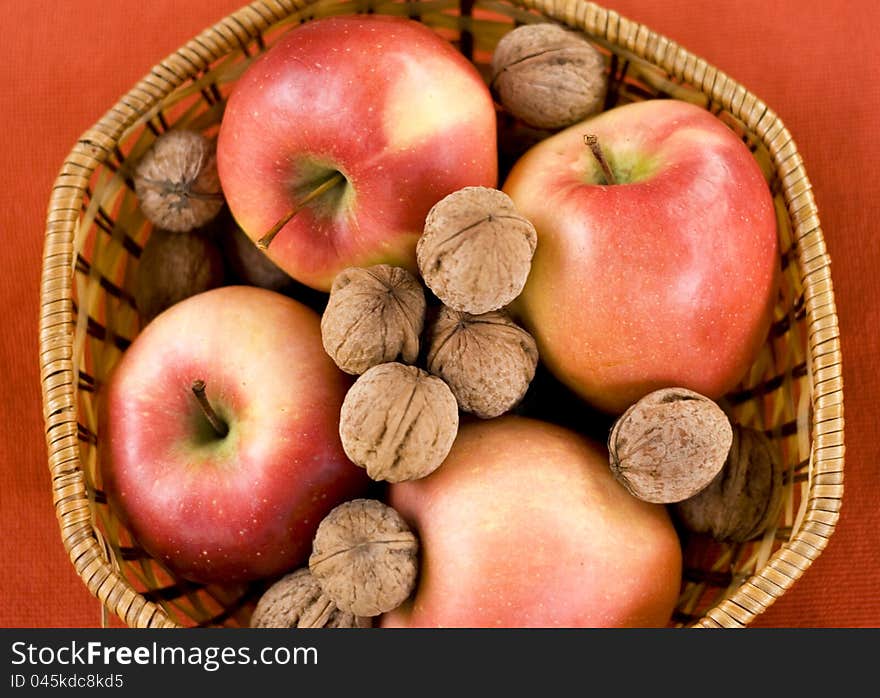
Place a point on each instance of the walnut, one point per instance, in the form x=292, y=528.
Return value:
x=669, y=445
x=297, y=601
x=177, y=182
x=745, y=498
x=374, y=315
x=365, y=557
x=487, y=360
x=398, y=422
x=548, y=76
x=476, y=250
x=175, y=266
x=248, y=264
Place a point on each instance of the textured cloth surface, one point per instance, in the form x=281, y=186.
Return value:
x=814, y=63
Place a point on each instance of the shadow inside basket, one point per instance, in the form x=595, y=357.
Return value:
x=773, y=397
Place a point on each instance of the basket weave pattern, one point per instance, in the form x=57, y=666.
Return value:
x=95, y=232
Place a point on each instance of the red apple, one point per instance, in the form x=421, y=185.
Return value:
x=245, y=505
x=359, y=124
x=665, y=278
x=523, y=525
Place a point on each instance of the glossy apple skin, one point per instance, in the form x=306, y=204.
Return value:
x=667, y=279
x=384, y=100
x=245, y=506
x=523, y=525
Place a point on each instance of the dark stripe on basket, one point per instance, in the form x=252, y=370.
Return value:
x=98, y=331
x=105, y=223
x=790, y=477
x=639, y=90
x=796, y=313
x=105, y=218
x=786, y=257
x=682, y=618
x=86, y=382
x=210, y=93
x=768, y=386
x=158, y=125
x=616, y=72
x=85, y=434
x=83, y=266
x=796, y=472
x=244, y=47
x=132, y=552
x=231, y=609
x=466, y=38
x=715, y=578
x=174, y=591
x=716, y=108
x=208, y=96
x=781, y=326
x=216, y=92
x=782, y=431
x=115, y=165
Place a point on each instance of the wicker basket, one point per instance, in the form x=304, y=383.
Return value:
x=94, y=231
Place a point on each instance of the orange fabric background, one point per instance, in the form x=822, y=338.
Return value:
x=815, y=63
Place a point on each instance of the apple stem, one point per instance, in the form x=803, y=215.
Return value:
x=596, y=149
x=324, y=186
x=198, y=388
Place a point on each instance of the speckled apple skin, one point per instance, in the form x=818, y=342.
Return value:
x=523, y=525
x=669, y=280
x=246, y=506
x=386, y=101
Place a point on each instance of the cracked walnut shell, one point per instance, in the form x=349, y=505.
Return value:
x=365, y=557
x=398, y=422
x=374, y=315
x=548, y=76
x=297, y=601
x=487, y=360
x=177, y=183
x=669, y=445
x=476, y=250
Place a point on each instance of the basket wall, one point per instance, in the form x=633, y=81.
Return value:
x=95, y=232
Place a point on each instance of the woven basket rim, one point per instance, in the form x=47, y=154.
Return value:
x=96, y=145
